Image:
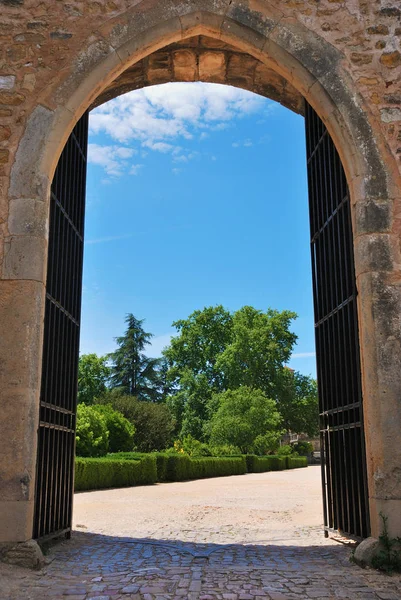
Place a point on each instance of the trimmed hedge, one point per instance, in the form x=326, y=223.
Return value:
x=103, y=473
x=125, y=469
x=296, y=462
x=217, y=466
x=261, y=464
x=181, y=467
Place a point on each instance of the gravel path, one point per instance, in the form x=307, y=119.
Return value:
x=259, y=507
x=234, y=538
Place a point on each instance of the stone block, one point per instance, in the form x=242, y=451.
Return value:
x=25, y=257
x=26, y=554
x=185, y=65
x=372, y=216
x=16, y=523
x=28, y=217
x=212, y=66
x=366, y=551
x=27, y=179
x=374, y=252
x=7, y=82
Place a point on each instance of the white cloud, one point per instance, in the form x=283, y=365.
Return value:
x=161, y=118
x=246, y=144
x=303, y=355
x=113, y=159
x=134, y=170
x=165, y=112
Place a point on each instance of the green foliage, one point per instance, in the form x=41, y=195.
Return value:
x=388, y=558
x=201, y=338
x=261, y=344
x=195, y=392
x=266, y=443
x=93, y=374
x=296, y=462
x=217, y=466
x=132, y=372
x=121, y=431
x=303, y=448
x=92, y=438
x=224, y=450
x=135, y=468
x=181, y=467
x=216, y=351
x=153, y=422
x=261, y=464
x=192, y=447
x=285, y=450
x=103, y=473
x=242, y=416
x=298, y=403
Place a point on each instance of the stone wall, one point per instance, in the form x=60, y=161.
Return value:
x=58, y=58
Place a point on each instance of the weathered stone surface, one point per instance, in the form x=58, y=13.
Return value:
x=26, y=554
x=391, y=60
x=212, y=66
x=187, y=61
x=366, y=551
x=7, y=82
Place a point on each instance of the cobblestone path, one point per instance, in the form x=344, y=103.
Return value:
x=97, y=567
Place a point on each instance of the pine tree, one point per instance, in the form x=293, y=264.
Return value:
x=133, y=372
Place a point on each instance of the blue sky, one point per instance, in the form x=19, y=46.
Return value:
x=196, y=196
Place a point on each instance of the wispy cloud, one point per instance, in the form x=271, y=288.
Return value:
x=110, y=238
x=303, y=355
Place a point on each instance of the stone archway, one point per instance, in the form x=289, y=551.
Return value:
x=296, y=45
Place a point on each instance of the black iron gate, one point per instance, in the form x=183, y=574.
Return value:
x=336, y=331
x=56, y=435
x=336, y=326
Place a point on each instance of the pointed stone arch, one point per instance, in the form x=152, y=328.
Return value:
x=321, y=72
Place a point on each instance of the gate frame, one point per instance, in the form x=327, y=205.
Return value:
x=319, y=72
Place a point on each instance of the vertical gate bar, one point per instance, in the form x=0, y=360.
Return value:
x=336, y=332
x=56, y=435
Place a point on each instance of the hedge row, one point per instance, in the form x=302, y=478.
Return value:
x=176, y=467
x=296, y=462
x=98, y=473
x=131, y=468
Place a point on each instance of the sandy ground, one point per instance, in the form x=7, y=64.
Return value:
x=279, y=506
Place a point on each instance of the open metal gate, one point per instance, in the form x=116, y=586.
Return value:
x=336, y=331
x=336, y=327
x=56, y=435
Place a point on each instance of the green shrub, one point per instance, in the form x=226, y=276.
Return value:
x=121, y=431
x=296, y=462
x=161, y=465
x=261, y=464
x=223, y=466
x=303, y=448
x=250, y=462
x=92, y=434
x=178, y=467
x=103, y=473
x=225, y=450
x=286, y=450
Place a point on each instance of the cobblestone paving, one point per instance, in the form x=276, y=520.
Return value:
x=99, y=567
